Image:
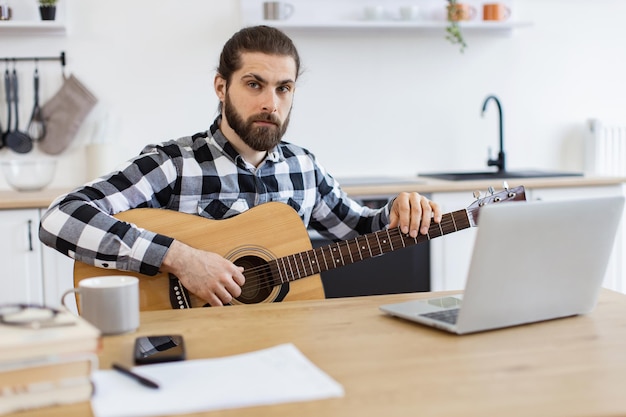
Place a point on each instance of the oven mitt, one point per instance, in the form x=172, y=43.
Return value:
x=64, y=113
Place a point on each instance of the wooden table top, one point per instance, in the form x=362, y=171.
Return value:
x=389, y=367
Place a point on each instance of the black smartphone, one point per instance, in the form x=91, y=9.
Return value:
x=154, y=349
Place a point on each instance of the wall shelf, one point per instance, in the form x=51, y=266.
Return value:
x=53, y=27
x=348, y=15
x=418, y=25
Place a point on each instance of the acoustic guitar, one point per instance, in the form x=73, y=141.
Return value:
x=272, y=244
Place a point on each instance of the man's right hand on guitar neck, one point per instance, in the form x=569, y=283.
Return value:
x=206, y=274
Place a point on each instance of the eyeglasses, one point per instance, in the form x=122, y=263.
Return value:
x=31, y=316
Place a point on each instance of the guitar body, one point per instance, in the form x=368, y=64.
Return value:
x=263, y=233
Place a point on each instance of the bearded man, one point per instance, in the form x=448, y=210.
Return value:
x=239, y=163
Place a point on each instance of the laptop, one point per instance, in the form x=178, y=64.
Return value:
x=532, y=261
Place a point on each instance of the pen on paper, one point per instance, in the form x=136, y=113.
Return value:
x=142, y=380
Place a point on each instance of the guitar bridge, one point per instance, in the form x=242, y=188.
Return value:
x=179, y=296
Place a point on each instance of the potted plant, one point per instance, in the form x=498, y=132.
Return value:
x=47, y=9
x=453, y=30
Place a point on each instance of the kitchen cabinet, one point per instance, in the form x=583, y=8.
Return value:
x=450, y=256
x=32, y=272
x=57, y=276
x=20, y=256
x=349, y=15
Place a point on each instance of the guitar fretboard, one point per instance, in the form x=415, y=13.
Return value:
x=335, y=255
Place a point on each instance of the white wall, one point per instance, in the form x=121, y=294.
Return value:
x=369, y=103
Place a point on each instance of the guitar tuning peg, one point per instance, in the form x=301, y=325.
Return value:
x=476, y=194
x=510, y=194
x=491, y=190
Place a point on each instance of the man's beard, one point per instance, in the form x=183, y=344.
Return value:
x=259, y=138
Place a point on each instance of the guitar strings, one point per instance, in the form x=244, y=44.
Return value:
x=261, y=277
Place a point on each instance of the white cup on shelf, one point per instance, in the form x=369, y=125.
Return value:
x=409, y=12
x=374, y=12
x=277, y=10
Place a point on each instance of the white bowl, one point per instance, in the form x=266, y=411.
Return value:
x=29, y=174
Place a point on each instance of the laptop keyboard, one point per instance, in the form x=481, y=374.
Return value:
x=447, y=316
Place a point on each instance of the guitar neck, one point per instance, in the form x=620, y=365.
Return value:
x=335, y=255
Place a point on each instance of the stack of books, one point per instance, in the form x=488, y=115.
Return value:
x=49, y=365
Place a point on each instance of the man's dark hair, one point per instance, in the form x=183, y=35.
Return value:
x=262, y=39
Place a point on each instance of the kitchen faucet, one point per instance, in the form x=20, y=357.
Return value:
x=500, y=162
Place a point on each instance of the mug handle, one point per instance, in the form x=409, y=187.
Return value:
x=507, y=13
x=289, y=9
x=472, y=12
x=65, y=294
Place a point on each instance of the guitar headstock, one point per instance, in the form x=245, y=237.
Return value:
x=508, y=194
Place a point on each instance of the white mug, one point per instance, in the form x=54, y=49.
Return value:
x=374, y=12
x=111, y=303
x=409, y=12
x=277, y=10
x=5, y=12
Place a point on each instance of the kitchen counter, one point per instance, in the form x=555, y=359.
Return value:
x=429, y=185
x=29, y=199
x=361, y=187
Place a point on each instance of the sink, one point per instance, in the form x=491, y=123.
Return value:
x=486, y=175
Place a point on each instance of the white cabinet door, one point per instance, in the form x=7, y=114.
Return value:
x=20, y=257
x=450, y=254
x=58, y=277
x=614, y=278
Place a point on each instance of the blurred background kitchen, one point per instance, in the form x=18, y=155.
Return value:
x=374, y=99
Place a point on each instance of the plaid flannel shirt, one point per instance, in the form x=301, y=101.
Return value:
x=204, y=175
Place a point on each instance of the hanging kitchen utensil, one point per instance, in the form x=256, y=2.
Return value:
x=15, y=140
x=36, y=127
x=1, y=136
x=7, y=92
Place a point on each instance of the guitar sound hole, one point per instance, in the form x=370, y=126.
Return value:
x=259, y=281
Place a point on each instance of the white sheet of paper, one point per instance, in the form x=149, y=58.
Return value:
x=278, y=374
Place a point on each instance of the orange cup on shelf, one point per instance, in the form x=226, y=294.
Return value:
x=495, y=12
x=461, y=11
